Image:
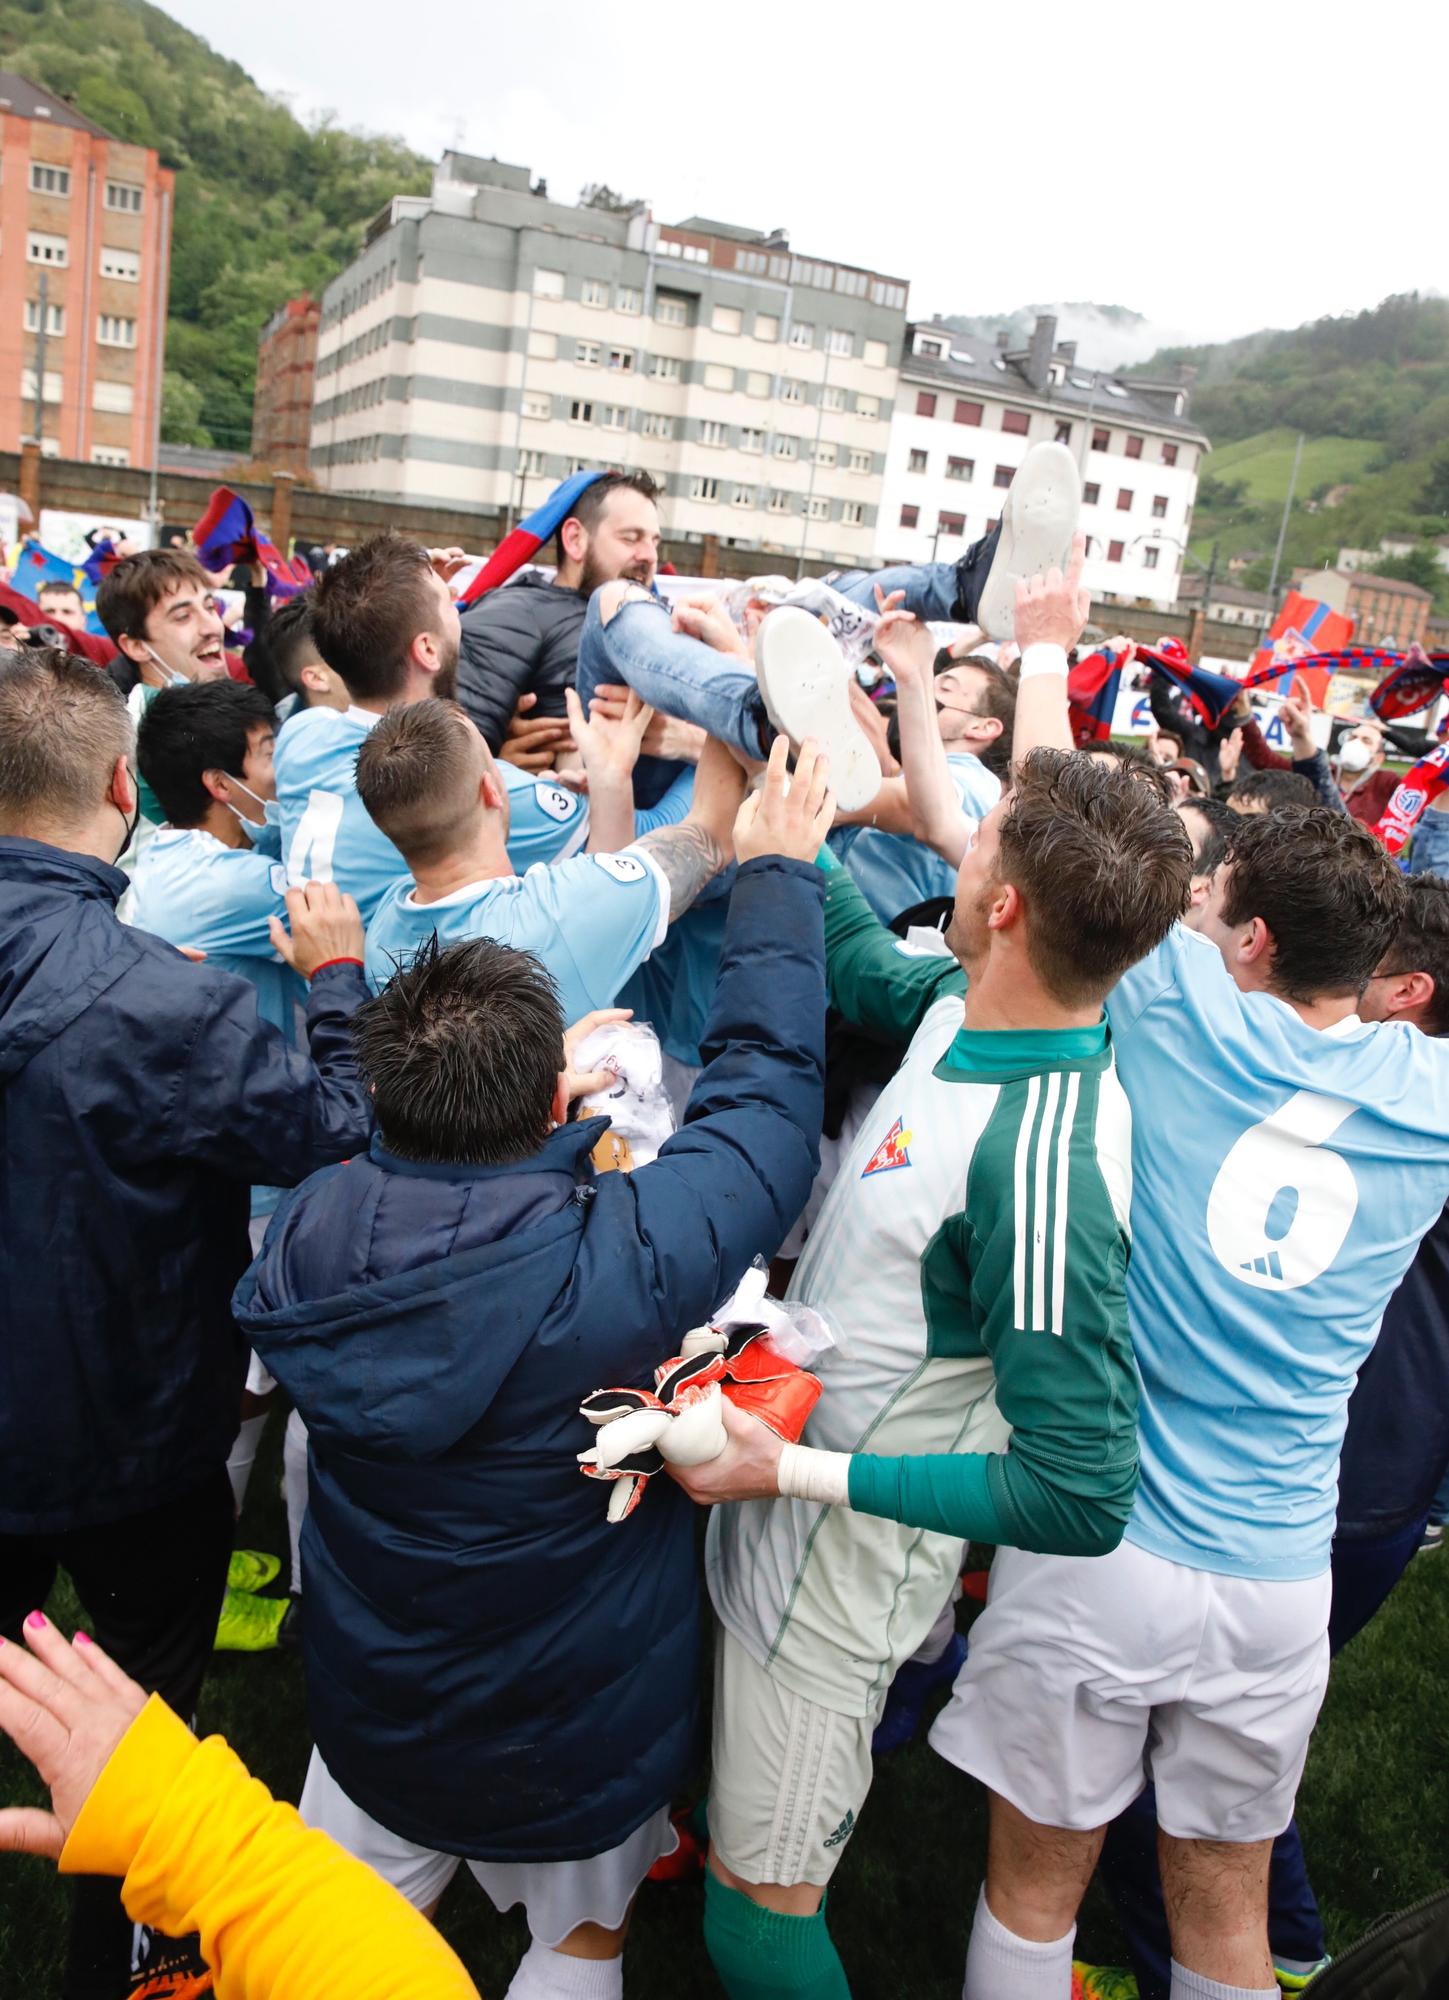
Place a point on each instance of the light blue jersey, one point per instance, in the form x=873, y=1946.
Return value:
x=328, y=835
x=894, y=872
x=591, y=920
x=1282, y=1178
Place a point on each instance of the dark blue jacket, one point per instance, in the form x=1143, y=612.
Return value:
x=140, y=1096
x=492, y=1668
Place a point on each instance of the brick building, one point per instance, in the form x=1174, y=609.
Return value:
x=1385, y=610
x=286, y=377
x=85, y=248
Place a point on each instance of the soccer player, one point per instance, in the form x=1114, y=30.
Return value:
x=283, y=661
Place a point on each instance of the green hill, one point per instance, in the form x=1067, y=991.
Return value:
x=265, y=206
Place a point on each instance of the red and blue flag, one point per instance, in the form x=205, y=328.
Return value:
x=1092, y=688
x=524, y=543
x=227, y=534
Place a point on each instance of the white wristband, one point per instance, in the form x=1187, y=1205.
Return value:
x=1042, y=657
x=806, y=1474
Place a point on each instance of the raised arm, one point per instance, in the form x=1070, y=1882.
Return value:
x=693, y=853
x=1051, y=612
x=908, y=649
x=609, y=748
x=873, y=978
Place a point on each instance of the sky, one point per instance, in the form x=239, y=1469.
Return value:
x=1239, y=172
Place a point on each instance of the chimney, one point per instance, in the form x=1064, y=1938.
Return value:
x=1039, y=354
x=1003, y=338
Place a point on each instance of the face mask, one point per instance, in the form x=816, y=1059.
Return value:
x=271, y=811
x=173, y=679
x=130, y=826
x=1355, y=755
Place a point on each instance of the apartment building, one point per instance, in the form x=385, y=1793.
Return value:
x=489, y=340
x=286, y=384
x=966, y=414
x=85, y=246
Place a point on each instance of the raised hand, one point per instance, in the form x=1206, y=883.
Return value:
x=789, y=816
x=1052, y=610
x=705, y=618
x=608, y=740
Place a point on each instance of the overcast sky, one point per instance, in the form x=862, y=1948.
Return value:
x=1256, y=168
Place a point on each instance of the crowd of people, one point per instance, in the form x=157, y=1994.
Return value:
x=585, y=1059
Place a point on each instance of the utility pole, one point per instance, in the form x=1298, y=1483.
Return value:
x=1207, y=585
x=1282, y=537
x=814, y=456
x=44, y=303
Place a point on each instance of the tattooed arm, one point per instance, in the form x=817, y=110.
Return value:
x=693, y=853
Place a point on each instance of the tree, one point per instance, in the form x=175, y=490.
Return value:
x=181, y=407
x=1419, y=566
x=1435, y=498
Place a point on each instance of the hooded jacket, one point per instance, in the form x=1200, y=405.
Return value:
x=140, y=1096
x=492, y=1668
x=520, y=640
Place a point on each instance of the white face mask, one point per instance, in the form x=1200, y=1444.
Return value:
x=271, y=811
x=1355, y=755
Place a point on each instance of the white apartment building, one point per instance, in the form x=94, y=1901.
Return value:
x=488, y=341
x=965, y=416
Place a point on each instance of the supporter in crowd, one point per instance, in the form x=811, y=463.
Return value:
x=1272, y=792
x=1359, y=767
x=143, y=1095
x=1165, y=747
x=61, y=603
x=1307, y=759
x=1203, y=818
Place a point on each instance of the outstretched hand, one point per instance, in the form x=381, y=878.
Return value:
x=609, y=742
x=65, y=1707
x=1052, y=610
x=789, y=816
x=906, y=645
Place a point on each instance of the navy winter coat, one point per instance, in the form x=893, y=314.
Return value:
x=140, y=1096
x=492, y=1668
x=516, y=641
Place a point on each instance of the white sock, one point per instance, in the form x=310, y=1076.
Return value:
x=1002, y=1966
x=243, y=1457
x=294, y=1489
x=1193, y=1986
x=548, y=1975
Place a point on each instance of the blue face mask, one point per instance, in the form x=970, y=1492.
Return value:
x=173, y=679
x=266, y=837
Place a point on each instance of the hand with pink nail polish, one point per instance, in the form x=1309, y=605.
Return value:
x=66, y=1708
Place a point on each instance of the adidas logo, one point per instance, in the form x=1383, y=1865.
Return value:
x=843, y=1832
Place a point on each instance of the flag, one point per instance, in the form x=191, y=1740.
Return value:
x=227, y=534
x=1304, y=626
x=1092, y=686
x=36, y=566
x=100, y=562
x=524, y=543
x=1416, y=680
x=1417, y=787
x=1210, y=695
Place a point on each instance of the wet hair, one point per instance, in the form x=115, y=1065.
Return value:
x=205, y=726
x=1328, y=892
x=368, y=608
x=1421, y=944
x=132, y=588
x=417, y=774
x=1217, y=814
x=1280, y=791
x=62, y=727
x=1133, y=760
x=277, y=654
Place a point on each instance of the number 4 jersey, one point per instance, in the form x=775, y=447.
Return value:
x=1282, y=1179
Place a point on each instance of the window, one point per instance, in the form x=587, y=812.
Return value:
x=875, y=354
x=543, y=346
x=910, y=517
x=718, y=377
x=116, y=398
x=43, y=249
x=832, y=398
x=861, y=461
x=1016, y=422
x=817, y=508
x=532, y=463
x=1124, y=499
x=1149, y=558
x=1114, y=551
x=802, y=334
x=824, y=453
x=951, y=524
x=852, y=514
x=1169, y=454
x=52, y=385
x=54, y=318
x=614, y=417
x=114, y=332
x=1063, y=433
x=581, y=412
x=49, y=180
x=548, y=284
x=867, y=407
x=786, y=446
x=713, y=434
x=838, y=341
x=883, y=294
x=124, y=197
x=586, y=353
x=1134, y=447
x=960, y=468
x=539, y=407
x=933, y=348
x=1003, y=475
x=109, y=454
x=664, y=368
x=967, y=413
x=925, y=403
x=792, y=391
x=779, y=503
x=917, y=463
x=1091, y=493
x=767, y=326
x=670, y=310
x=595, y=292
x=703, y=489
x=743, y=496
x=727, y=319
x=653, y=424
x=757, y=383
x=751, y=440
x=628, y=299
x=1159, y=506
x=621, y=360
x=1101, y=440
x=754, y=261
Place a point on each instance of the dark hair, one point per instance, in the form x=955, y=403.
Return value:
x=462, y=1049
x=417, y=774
x=132, y=588
x=53, y=587
x=62, y=727
x=1219, y=816
x=1172, y=737
x=1214, y=850
x=1132, y=759
x=1421, y=944
x=1280, y=791
x=1102, y=863
x=368, y=608
x=188, y=730
x=995, y=697
x=594, y=498
x=1329, y=894
x=274, y=657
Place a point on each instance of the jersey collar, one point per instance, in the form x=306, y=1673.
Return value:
x=1002, y=1055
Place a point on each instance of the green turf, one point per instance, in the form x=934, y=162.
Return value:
x=1374, y=1810
x=1264, y=464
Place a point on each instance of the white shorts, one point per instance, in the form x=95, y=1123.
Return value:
x=789, y=1777
x=1089, y=1675
x=557, y=1896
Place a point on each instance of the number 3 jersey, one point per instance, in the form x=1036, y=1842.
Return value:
x=1282, y=1179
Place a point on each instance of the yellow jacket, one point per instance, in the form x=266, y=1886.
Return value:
x=283, y=1913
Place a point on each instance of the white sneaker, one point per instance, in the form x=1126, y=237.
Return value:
x=805, y=681
x=1037, y=525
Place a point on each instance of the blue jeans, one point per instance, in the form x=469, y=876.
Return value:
x=944, y=591
x=1439, y=1505
x=676, y=674
x=1430, y=852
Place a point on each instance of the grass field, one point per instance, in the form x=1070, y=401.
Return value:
x=1264, y=464
x=1374, y=1811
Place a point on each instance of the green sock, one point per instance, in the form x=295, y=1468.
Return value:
x=761, y=1955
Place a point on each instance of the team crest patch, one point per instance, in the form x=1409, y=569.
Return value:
x=892, y=1152
x=556, y=802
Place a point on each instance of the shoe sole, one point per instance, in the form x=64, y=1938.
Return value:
x=1037, y=525
x=805, y=682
